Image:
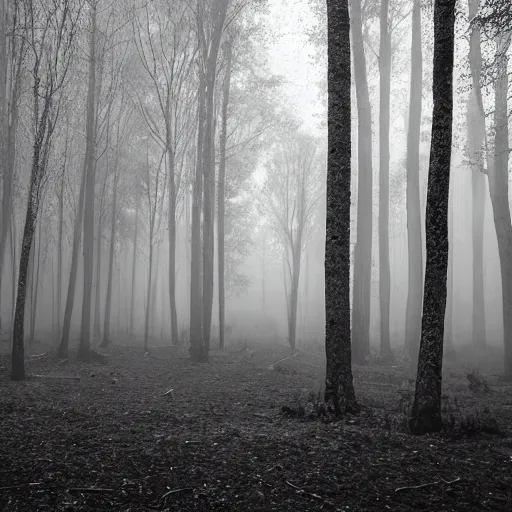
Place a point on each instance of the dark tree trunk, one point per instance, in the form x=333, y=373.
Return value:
x=414, y=242
x=84, y=351
x=75, y=252
x=221, y=194
x=426, y=410
x=4, y=170
x=172, y=244
x=339, y=388
x=363, y=247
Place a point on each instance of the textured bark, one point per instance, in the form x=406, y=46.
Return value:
x=476, y=133
x=413, y=203
x=221, y=192
x=426, y=410
x=498, y=186
x=363, y=248
x=449, y=349
x=84, y=353
x=339, y=388
x=384, y=269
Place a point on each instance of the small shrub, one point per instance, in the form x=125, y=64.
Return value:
x=477, y=383
x=309, y=407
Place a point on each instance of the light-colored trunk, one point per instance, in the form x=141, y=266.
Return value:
x=363, y=248
x=413, y=203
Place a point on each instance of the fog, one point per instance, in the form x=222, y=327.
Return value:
x=276, y=138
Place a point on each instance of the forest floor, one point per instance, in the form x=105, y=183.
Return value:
x=161, y=433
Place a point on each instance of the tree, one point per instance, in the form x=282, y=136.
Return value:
x=83, y=353
x=476, y=132
x=414, y=243
x=51, y=31
x=339, y=388
x=426, y=409
x=363, y=247
x=384, y=119
x=290, y=196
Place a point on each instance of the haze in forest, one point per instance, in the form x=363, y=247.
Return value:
x=268, y=137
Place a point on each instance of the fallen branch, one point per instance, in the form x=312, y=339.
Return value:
x=35, y=356
x=62, y=377
x=277, y=466
x=167, y=392
x=20, y=486
x=175, y=491
x=428, y=484
x=89, y=489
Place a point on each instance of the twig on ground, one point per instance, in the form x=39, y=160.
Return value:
x=89, y=489
x=271, y=367
x=311, y=494
x=35, y=356
x=168, y=392
x=277, y=466
x=428, y=484
x=20, y=486
x=62, y=377
x=175, y=491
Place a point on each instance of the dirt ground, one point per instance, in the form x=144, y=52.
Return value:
x=162, y=433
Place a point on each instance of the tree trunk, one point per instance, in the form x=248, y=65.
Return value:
x=148, y=296
x=363, y=248
x=339, y=388
x=75, y=252
x=414, y=241
x=221, y=193
x=449, y=349
x=134, y=267
x=476, y=135
x=172, y=244
x=83, y=353
x=426, y=410
x=384, y=269
x=108, y=301
x=4, y=171
x=35, y=283
x=196, y=330
x=61, y=234
x=498, y=185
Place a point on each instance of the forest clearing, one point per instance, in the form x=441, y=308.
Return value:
x=159, y=432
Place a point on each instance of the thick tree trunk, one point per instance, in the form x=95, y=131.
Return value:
x=75, y=252
x=339, y=388
x=221, y=194
x=84, y=353
x=148, y=296
x=384, y=269
x=449, y=348
x=61, y=235
x=35, y=283
x=426, y=410
x=498, y=185
x=414, y=239
x=363, y=248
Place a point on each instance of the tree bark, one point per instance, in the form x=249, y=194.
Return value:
x=4, y=171
x=339, y=388
x=413, y=203
x=221, y=193
x=84, y=353
x=426, y=410
x=363, y=248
